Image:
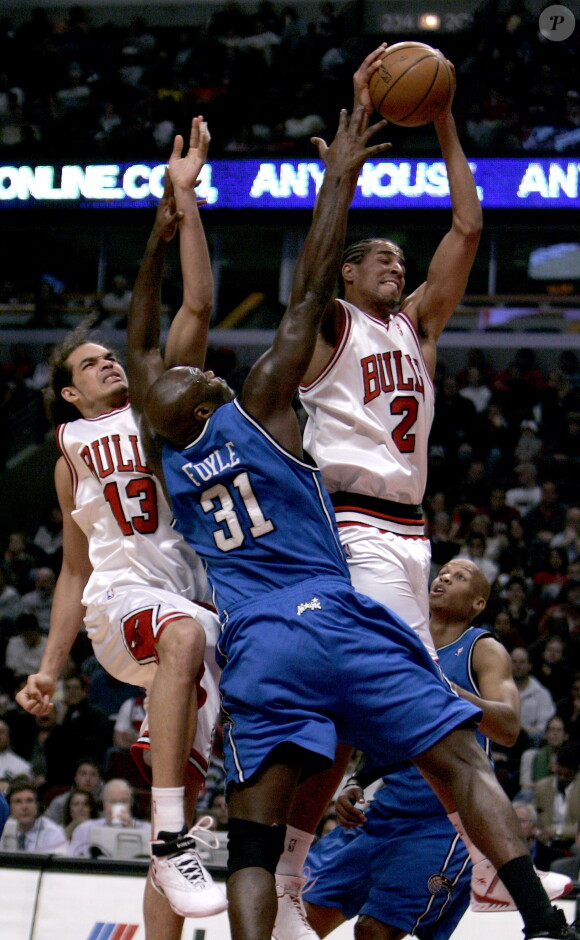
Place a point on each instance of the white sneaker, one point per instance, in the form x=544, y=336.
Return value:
x=178, y=873
x=497, y=898
x=291, y=921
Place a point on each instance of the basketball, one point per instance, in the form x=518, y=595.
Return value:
x=412, y=84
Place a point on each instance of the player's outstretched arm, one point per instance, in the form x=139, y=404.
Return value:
x=433, y=303
x=67, y=610
x=144, y=361
x=272, y=383
x=187, y=339
x=499, y=698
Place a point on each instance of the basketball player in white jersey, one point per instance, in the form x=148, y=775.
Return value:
x=126, y=572
x=368, y=395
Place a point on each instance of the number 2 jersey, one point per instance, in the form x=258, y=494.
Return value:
x=121, y=508
x=370, y=410
x=258, y=516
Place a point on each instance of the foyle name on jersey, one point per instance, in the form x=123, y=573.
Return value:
x=390, y=371
x=219, y=460
x=109, y=454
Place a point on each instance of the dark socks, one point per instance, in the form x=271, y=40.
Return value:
x=526, y=889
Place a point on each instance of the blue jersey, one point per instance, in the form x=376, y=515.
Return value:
x=258, y=516
x=406, y=793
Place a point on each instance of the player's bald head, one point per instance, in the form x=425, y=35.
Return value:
x=181, y=401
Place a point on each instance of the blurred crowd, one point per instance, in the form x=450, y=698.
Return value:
x=266, y=80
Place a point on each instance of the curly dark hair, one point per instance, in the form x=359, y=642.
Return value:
x=57, y=409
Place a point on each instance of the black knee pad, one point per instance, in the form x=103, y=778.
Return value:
x=254, y=845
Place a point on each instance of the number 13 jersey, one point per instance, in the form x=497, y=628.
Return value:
x=121, y=508
x=370, y=409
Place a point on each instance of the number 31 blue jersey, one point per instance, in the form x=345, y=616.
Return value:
x=258, y=516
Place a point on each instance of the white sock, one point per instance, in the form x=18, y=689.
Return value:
x=167, y=809
x=296, y=847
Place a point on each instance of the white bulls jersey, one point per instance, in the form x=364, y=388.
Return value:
x=122, y=510
x=370, y=410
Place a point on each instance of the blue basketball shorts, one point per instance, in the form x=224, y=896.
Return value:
x=407, y=872
x=318, y=663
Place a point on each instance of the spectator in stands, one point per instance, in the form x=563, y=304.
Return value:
x=515, y=554
x=116, y=301
x=567, y=610
x=537, y=763
x=117, y=811
x=44, y=725
x=474, y=550
x=40, y=378
x=537, y=705
x=527, y=493
x=34, y=833
x=550, y=665
x=528, y=817
x=48, y=537
x=499, y=512
x=564, y=455
x=551, y=577
x=18, y=562
x=11, y=765
x=454, y=421
x=443, y=546
x=568, y=708
x=218, y=809
x=10, y=604
x=516, y=600
x=505, y=632
x=87, y=778
x=80, y=805
x=128, y=722
x=569, y=537
x=476, y=389
x=557, y=801
x=105, y=692
x=39, y=601
x=530, y=445
x=84, y=731
x=25, y=649
x=493, y=442
x=548, y=516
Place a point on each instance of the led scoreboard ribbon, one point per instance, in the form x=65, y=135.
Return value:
x=510, y=183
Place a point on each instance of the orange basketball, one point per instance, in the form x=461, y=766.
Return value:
x=412, y=84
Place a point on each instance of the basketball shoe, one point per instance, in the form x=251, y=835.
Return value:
x=491, y=895
x=177, y=871
x=291, y=921
x=559, y=931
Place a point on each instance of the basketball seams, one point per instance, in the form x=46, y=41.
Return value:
x=427, y=93
x=428, y=55
x=399, y=96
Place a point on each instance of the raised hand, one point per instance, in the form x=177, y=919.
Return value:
x=362, y=77
x=348, y=151
x=167, y=216
x=184, y=170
